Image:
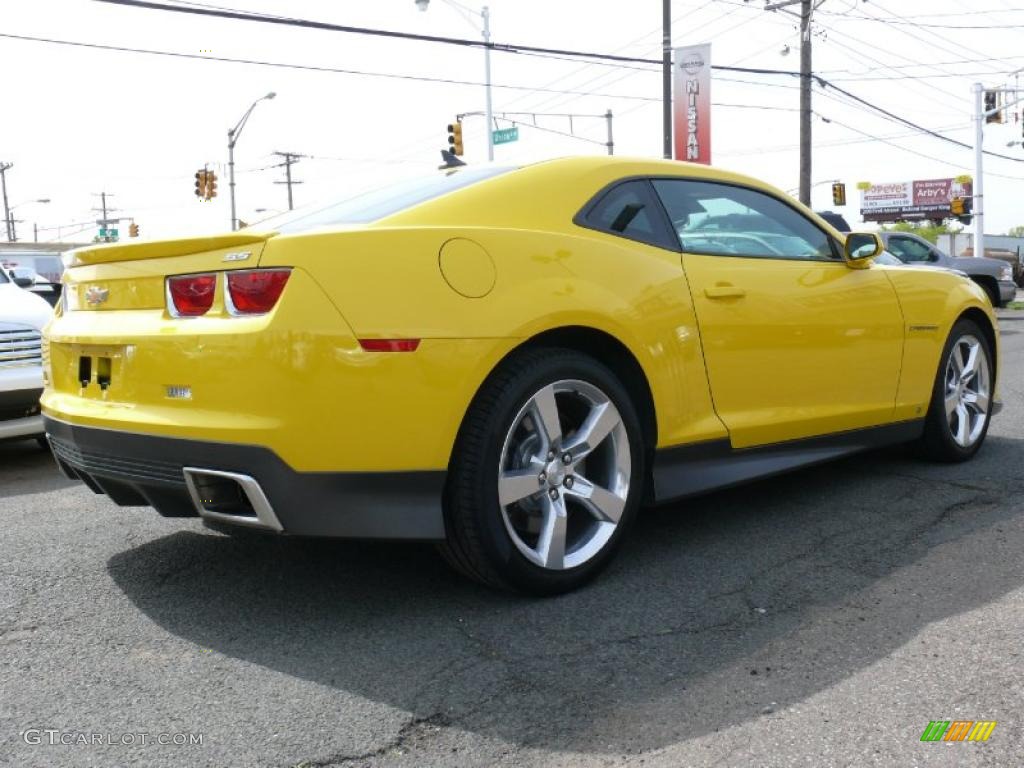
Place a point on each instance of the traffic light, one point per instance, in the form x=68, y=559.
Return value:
x=133, y=230
x=455, y=138
x=211, y=185
x=991, y=103
x=956, y=206
x=838, y=193
x=201, y=183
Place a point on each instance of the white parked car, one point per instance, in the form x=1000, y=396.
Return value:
x=22, y=317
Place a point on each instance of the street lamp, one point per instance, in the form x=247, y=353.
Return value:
x=12, y=221
x=485, y=16
x=233, y=135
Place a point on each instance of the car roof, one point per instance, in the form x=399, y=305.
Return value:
x=511, y=199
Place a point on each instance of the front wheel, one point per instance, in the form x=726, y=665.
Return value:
x=546, y=475
x=961, y=405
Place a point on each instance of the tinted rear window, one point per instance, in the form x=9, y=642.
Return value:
x=364, y=206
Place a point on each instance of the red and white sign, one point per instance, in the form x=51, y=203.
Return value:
x=927, y=199
x=693, y=104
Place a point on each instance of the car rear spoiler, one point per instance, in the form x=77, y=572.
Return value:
x=106, y=253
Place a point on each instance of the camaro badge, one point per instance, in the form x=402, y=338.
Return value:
x=240, y=256
x=94, y=295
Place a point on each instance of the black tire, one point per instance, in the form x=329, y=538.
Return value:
x=937, y=443
x=480, y=544
x=991, y=290
x=43, y=443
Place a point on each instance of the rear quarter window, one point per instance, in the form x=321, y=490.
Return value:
x=364, y=206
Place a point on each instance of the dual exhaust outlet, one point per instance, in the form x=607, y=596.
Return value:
x=232, y=498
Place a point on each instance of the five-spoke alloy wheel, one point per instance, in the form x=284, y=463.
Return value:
x=564, y=472
x=547, y=474
x=961, y=406
x=967, y=390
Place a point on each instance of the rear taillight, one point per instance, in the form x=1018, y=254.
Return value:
x=255, y=291
x=191, y=295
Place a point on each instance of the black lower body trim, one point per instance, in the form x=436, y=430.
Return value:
x=19, y=403
x=692, y=469
x=147, y=470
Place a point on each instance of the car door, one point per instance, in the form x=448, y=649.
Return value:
x=796, y=343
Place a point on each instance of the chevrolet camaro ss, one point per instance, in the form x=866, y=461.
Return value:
x=508, y=361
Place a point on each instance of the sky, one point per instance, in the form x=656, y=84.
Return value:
x=77, y=121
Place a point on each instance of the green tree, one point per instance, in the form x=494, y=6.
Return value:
x=1016, y=231
x=925, y=229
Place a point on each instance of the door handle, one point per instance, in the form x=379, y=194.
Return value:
x=724, y=292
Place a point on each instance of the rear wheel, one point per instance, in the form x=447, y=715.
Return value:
x=961, y=406
x=546, y=477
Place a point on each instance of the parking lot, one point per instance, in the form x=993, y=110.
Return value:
x=821, y=618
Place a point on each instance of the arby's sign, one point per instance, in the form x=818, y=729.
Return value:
x=921, y=199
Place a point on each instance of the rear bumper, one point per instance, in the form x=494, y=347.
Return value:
x=12, y=429
x=178, y=477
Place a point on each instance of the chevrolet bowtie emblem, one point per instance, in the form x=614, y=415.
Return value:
x=94, y=295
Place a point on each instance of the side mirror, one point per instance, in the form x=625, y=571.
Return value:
x=861, y=246
x=24, y=282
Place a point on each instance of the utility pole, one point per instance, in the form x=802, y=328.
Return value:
x=290, y=158
x=978, y=187
x=666, y=79
x=611, y=142
x=106, y=220
x=806, y=9
x=8, y=226
x=981, y=116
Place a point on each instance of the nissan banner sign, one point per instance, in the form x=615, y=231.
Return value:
x=692, y=124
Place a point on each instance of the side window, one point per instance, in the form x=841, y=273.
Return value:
x=909, y=250
x=629, y=210
x=726, y=220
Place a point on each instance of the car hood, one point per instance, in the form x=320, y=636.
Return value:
x=22, y=307
x=932, y=268
x=978, y=264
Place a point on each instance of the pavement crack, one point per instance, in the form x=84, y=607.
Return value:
x=416, y=728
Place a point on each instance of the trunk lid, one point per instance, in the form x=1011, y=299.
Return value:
x=121, y=276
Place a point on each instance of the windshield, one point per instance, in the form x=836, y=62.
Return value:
x=3, y=275
x=362, y=206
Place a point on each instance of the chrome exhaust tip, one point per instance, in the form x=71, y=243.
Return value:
x=230, y=497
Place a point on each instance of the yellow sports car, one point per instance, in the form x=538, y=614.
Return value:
x=505, y=360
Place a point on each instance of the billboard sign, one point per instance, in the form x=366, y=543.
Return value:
x=926, y=199
x=692, y=100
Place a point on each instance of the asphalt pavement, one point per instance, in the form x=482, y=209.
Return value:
x=817, y=619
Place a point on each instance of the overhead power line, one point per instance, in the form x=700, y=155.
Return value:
x=917, y=65
x=892, y=116
x=823, y=82
x=316, y=68
x=371, y=31
x=909, y=21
